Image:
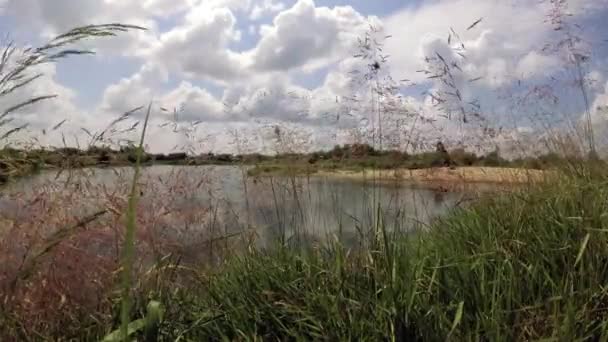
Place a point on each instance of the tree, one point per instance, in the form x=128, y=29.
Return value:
x=444, y=156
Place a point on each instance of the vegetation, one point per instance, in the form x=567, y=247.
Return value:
x=20, y=162
x=362, y=156
x=524, y=266
x=129, y=257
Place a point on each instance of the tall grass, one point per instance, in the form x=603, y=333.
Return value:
x=527, y=266
x=129, y=243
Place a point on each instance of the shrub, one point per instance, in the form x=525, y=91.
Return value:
x=461, y=157
x=493, y=159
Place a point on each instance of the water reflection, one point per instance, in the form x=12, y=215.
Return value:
x=216, y=201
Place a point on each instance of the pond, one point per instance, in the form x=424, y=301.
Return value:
x=190, y=204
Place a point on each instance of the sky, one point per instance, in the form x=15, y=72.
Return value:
x=235, y=70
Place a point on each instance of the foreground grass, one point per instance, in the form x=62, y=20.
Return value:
x=529, y=265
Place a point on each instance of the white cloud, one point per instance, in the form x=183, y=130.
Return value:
x=194, y=104
x=45, y=113
x=599, y=109
x=499, y=50
x=132, y=92
x=42, y=117
x=58, y=16
x=265, y=8
x=199, y=47
x=305, y=34
x=534, y=65
x=495, y=38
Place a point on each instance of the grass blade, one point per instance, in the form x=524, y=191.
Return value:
x=457, y=318
x=582, y=249
x=129, y=243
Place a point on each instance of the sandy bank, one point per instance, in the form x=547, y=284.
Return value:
x=471, y=174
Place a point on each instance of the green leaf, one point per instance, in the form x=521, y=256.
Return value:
x=457, y=318
x=116, y=336
x=154, y=316
x=155, y=313
x=582, y=250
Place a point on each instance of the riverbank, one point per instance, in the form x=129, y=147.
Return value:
x=472, y=174
x=16, y=163
x=440, y=177
x=341, y=161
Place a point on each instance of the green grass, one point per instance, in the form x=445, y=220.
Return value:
x=530, y=265
x=128, y=250
x=527, y=266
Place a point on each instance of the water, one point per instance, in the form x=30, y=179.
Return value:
x=189, y=204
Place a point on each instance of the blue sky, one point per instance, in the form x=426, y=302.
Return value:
x=199, y=55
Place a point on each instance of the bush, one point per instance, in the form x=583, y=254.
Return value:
x=493, y=159
x=433, y=159
x=360, y=150
x=314, y=158
x=463, y=158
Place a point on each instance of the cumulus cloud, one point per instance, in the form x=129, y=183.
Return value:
x=506, y=60
x=535, y=64
x=599, y=117
x=496, y=40
x=265, y=8
x=51, y=18
x=601, y=101
x=308, y=35
x=134, y=91
x=45, y=113
x=194, y=104
x=52, y=122
x=198, y=48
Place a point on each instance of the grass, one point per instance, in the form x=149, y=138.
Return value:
x=527, y=265
x=128, y=249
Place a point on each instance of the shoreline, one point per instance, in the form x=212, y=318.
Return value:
x=441, y=178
